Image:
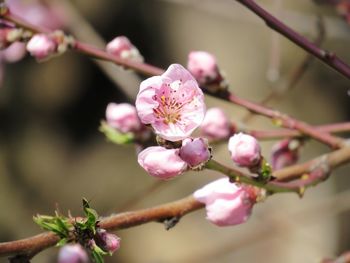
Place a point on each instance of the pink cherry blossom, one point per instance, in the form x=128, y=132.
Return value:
x=41, y=46
x=74, y=253
x=195, y=152
x=285, y=153
x=161, y=162
x=203, y=67
x=123, y=48
x=172, y=103
x=245, y=150
x=123, y=117
x=216, y=125
x=227, y=203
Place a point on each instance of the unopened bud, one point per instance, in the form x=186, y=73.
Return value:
x=123, y=48
x=74, y=253
x=41, y=46
x=245, y=150
x=195, y=152
x=107, y=241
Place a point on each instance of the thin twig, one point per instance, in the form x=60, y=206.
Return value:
x=329, y=58
x=35, y=244
x=151, y=70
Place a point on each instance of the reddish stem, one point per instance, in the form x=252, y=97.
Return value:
x=329, y=58
x=147, y=69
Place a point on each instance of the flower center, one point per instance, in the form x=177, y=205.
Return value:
x=169, y=110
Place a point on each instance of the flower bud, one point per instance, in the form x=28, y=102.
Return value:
x=245, y=150
x=123, y=117
x=122, y=47
x=285, y=153
x=216, y=125
x=203, y=67
x=41, y=46
x=195, y=152
x=227, y=203
x=161, y=162
x=72, y=253
x=107, y=241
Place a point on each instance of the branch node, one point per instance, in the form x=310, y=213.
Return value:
x=170, y=222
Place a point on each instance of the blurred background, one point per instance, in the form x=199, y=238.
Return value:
x=51, y=152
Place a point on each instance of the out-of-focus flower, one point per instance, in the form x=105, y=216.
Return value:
x=203, y=67
x=172, y=103
x=41, y=46
x=227, y=203
x=245, y=150
x=161, y=162
x=285, y=153
x=123, y=117
x=74, y=253
x=195, y=152
x=123, y=48
x=37, y=13
x=107, y=241
x=216, y=125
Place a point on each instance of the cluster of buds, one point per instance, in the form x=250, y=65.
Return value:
x=10, y=35
x=122, y=47
x=228, y=203
x=76, y=253
x=44, y=46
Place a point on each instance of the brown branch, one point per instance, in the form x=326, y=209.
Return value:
x=329, y=58
x=35, y=244
x=147, y=69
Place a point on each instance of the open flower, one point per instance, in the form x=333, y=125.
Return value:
x=161, y=162
x=172, y=103
x=227, y=203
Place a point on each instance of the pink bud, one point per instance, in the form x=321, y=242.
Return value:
x=195, y=152
x=107, y=241
x=14, y=52
x=41, y=46
x=216, y=125
x=245, y=150
x=123, y=117
x=161, y=162
x=122, y=47
x=72, y=254
x=285, y=153
x=203, y=67
x=227, y=203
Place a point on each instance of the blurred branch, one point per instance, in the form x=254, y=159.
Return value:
x=77, y=24
x=282, y=133
x=296, y=74
x=328, y=57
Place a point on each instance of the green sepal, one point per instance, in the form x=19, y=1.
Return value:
x=62, y=242
x=97, y=254
x=265, y=172
x=57, y=224
x=114, y=135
